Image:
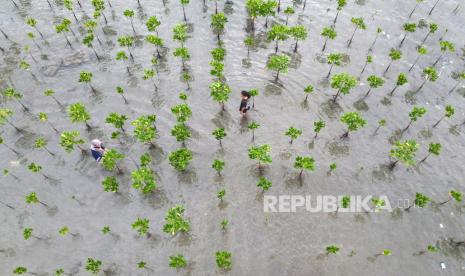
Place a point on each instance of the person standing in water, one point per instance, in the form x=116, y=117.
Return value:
x=97, y=149
x=245, y=105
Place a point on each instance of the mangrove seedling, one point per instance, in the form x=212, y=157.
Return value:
x=343, y=82
x=33, y=23
x=145, y=159
x=304, y=163
x=332, y=167
x=77, y=113
x=385, y=252
x=405, y=152
x=121, y=55
x=20, y=270
x=359, y=24
x=421, y=51
x=344, y=203
x=184, y=54
x=182, y=112
x=223, y=259
x=445, y=46
x=93, y=265
x=353, y=120
x=278, y=33
x=175, y=222
x=374, y=82
x=308, y=90
x=293, y=133
x=449, y=112
x=433, y=148
x=6, y=113
x=152, y=24
x=332, y=249
x=378, y=203
x=220, y=194
x=429, y=74
x=431, y=248
x=460, y=77
x=394, y=55
x=32, y=198
x=87, y=41
x=415, y=114
x=260, y=153
x=43, y=117
x=144, y=128
x=368, y=60
x=299, y=33
x=218, y=165
x=253, y=93
x=117, y=120
x=218, y=22
x=328, y=33
x=180, y=159
x=130, y=14
x=41, y=143
x=155, y=41
x=110, y=184
x=219, y=134
x=86, y=77
x=408, y=28
x=220, y=91
x=264, y=184
x=279, y=64
x=126, y=41
x=457, y=196
x=141, y=225
x=433, y=27
x=177, y=261
x=11, y=93
x=59, y=272
x=70, y=139
x=224, y=225
x=381, y=123
x=249, y=43
x=420, y=201
x=254, y=9
x=180, y=33
x=340, y=5
x=401, y=80
x=180, y=132
x=378, y=31
x=253, y=126
x=65, y=231
x=149, y=74
x=288, y=12
x=333, y=59
x=143, y=179
x=106, y=229
x=110, y=159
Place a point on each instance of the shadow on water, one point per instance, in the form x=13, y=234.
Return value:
x=331, y=109
x=273, y=89
x=188, y=176
x=223, y=119
x=338, y=147
x=361, y=105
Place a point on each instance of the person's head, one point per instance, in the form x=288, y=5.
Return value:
x=96, y=143
x=245, y=95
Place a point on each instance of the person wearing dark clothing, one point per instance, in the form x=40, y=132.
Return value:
x=245, y=105
x=97, y=149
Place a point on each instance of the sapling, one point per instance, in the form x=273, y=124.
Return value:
x=433, y=148
x=143, y=179
x=317, y=127
x=381, y=123
x=223, y=259
x=145, y=159
x=27, y=234
x=106, y=229
x=110, y=160
x=121, y=55
x=253, y=126
x=217, y=69
x=144, y=128
x=180, y=33
x=328, y=33
x=221, y=194
x=218, y=165
x=6, y=113
x=186, y=77
x=267, y=9
x=127, y=41
x=180, y=159
x=378, y=203
x=421, y=51
x=429, y=74
x=332, y=249
x=217, y=22
x=353, y=120
x=65, y=231
x=149, y=74
x=431, y=248
x=130, y=14
x=278, y=33
x=218, y=54
x=177, y=261
x=184, y=54
x=408, y=28
x=180, y=132
x=33, y=23
x=340, y=5
x=70, y=139
x=59, y=272
x=141, y=265
x=260, y=153
x=182, y=112
x=368, y=60
x=141, y=225
x=279, y=64
x=117, y=120
x=77, y=113
x=224, y=225
x=457, y=196
x=401, y=80
x=415, y=114
x=449, y=112
x=293, y=133
x=99, y=7
x=359, y=24
x=343, y=82
x=253, y=93
x=11, y=93
x=249, y=43
x=19, y=270
x=445, y=47
x=155, y=41
x=460, y=78
x=110, y=184
x=2, y=142
x=152, y=24
x=90, y=26
x=433, y=27
x=87, y=40
x=405, y=152
x=374, y=82
x=420, y=201
x=86, y=77
x=31, y=36
x=69, y=5
x=394, y=55
x=304, y=163
x=308, y=90
x=378, y=31
x=344, y=203
x=219, y=134
x=220, y=91
x=43, y=117
x=175, y=222
x=254, y=9
x=288, y=12
x=32, y=198
x=332, y=167
x=93, y=265
x=385, y=252
x=333, y=59
x=41, y=143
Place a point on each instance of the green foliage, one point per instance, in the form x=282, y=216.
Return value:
x=148, y=74
x=27, y=233
x=345, y=202
x=144, y=179
x=31, y=21
x=353, y=120
x=93, y=265
x=220, y=91
x=182, y=52
x=401, y=79
x=289, y=11
x=155, y=40
x=88, y=39
x=77, y=113
x=175, y=221
x=221, y=193
x=5, y=113
x=141, y=225
x=217, y=69
x=278, y=32
x=110, y=184
x=144, y=129
x=116, y=119
x=24, y=65
x=421, y=200
x=329, y=33
x=378, y=203
x=359, y=22
x=59, y=271
x=395, y=54
x=180, y=33
x=386, y=252
x=85, y=76
x=456, y=195
x=145, y=159
x=253, y=125
x=260, y=153
x=430, y=73
x=432, y=248
x=375, y=81
x=449, y=111
x=278, y=63
x=218, y=22
x=121, y=55
x=20, y=270
x=405, y=151
x=182, y=112
x=416, y=113
x=224, y=224
x=110, y=158
x=223, y=259
x=141, y=264
x=126, y=41
x=293, y=133
x=332, y=166
x=341, y=4
x=318, y=126
x=40, y=143
x=69, y=139
x=334, y=58
x=128, y=13
x=433, y=27
x=106, y=229
x=434, y=148
x=343, y=82
x=180, y=132
x=381, y=122
x=152, y=23
x=177, y=261
x=332, y=249
x=63, y=27
x=180, y=158
x=304, y=163
x=218, y=165
x=218, y=54
x=219, y=133
x=369, y=59
x=410, y=27
x=446, y=46
x=33, y=167
x=264, y=184
x=422, y=50
x=63, y=231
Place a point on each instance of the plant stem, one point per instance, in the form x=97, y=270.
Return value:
x=392, y=91
x=423, y=160
x=352, y=37
x=410, y=15
x=414, y=63
x=431, y=11
x=7, y=205
x=393, y=165
x=453, y=88
x=421, y=86
x=330, y=69
x=402, y=41
x=324, y=45
x=436, y=62
x=437, y=123
x=444, y=202
x=385, y=71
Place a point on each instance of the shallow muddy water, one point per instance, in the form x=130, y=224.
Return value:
x=260, y=243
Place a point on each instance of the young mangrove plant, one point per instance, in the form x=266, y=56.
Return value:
x=253, y=93
x=70, y=139
x=221, y=194
x=130, y=15
x=401, y=80
x=408, y=28
x=253, y=126
x=77, y=113
x=304, y=163
x=11, y=93
x=328, y=33
x=141, y=225
x=224, y=225
x=264, y=184
x=421, y=51
x=374, y=82
x=404, y=152
x=86, y=77
x=289, y=11
x=333, y=59
x=110, y=160
x=317, y=127
x=20, y=270
x=394, y=55
x=420, y=201
x=446, y=46
x=433, y=148
x=359, y=24
x=308, y=90
x=110, y=184
x=448, y=113
x=33, y=23
x=343, y=82
x=224, y=259
x=457, y=196
x=353, y=120
x=381, y=123
x=344, y=203
x=340, y=5
x=87, y=41
x=149, y=74
x=182, y=112
x=180, y=159
x=152, y=24
x=177, y=261
x=63, y=231
x=459, y=77
x=260, y=153
x=433, y=27
x=249, y=43
x=180, y=33
x=415, y=114
x=121, y=56
x=144, y=128
x=32, y=198
x=183, y=54
x=279, y=64
x=63, y=28
x=93, y=266
x=278, y=33
x=143, y=179
x=293, y=133
x=378, y=31
x=332, y=249
x=368, y=60
x=128, y=42
x=218, y=22
x=155, y=41
x=218, y=165
x=41, y=143
x=220, y=91
x=429, y=74
x=175, y=222
x=219, y=134
x=181, y=132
